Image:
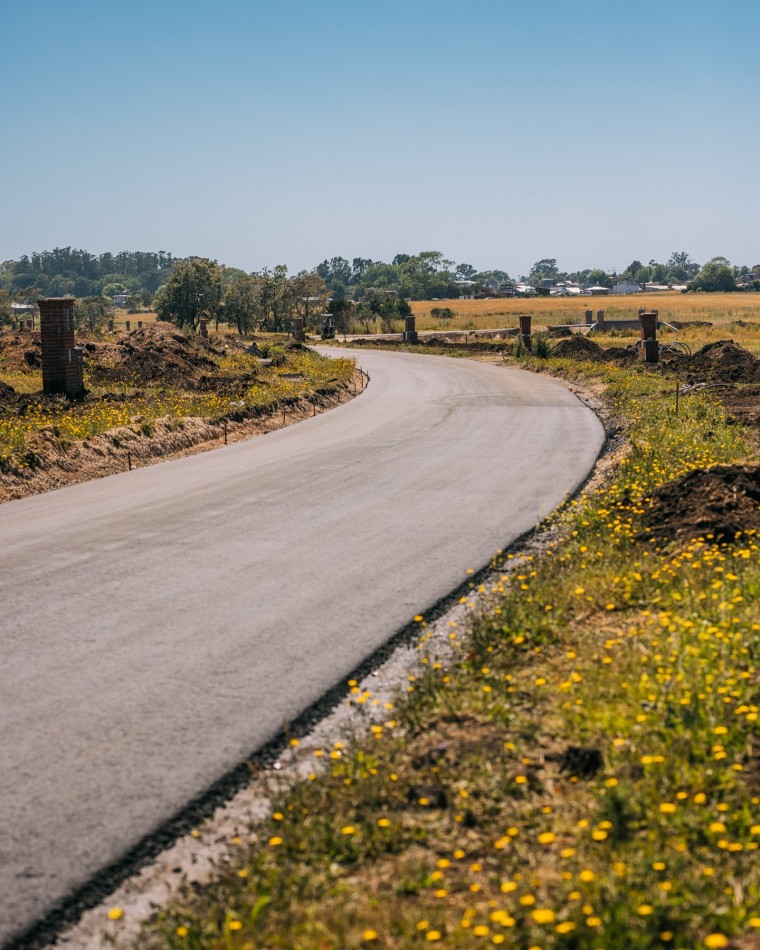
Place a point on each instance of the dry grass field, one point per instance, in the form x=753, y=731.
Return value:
x=725, y=312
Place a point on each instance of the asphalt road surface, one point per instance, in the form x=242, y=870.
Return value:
x=160, y=625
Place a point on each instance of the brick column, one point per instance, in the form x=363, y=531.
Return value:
x=649, y=350
x=299, y=333
x=525, y=327
x=410, y=330
x=589, y=315
x=61, y=360
x=203, y=329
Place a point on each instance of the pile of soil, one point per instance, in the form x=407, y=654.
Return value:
x=580, y=347
x=742, y=405
x=725, y=362
x=720, y=501
x=153, y=353
x=20, y=350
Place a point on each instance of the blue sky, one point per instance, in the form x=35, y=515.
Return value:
x=260, y=132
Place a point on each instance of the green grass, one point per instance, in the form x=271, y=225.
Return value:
x=72, y=422
x=453, y=823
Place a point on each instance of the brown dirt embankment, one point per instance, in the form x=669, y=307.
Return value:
x=52, y=464
x=719, y=503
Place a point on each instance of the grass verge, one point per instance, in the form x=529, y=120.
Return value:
x=583, y=772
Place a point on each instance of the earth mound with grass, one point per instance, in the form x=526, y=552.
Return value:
x=726, y=362
x=719, y=503
x=157, y=351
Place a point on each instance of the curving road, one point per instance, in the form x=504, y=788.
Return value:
x=160, y=625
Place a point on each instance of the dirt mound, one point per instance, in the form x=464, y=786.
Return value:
x=720, y=501
x=685, y=324
x=6, y=392
x=158, y=352
x=578, y=347
x=20, y=350
x=724, y=361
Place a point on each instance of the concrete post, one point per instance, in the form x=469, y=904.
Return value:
x=525, y=322
x=410, y=330
x=30, y=324
x=110, y=326
x=649, y=350
x=299, y=333
x=203, y=329
x=127, y=325
x=589, y=316
x=61, y=360
x=139, y=324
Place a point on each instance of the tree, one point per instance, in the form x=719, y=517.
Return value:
x=310, y=296
x=545, y=269
x=192, y=293
x=633, y=272
x=335, y=271
x=716, y=275
x=599, y=278
x=358, y=267
x=6, y=313
x=681, y=267
x=92, y=312
x=465, y=272
x=241, y=303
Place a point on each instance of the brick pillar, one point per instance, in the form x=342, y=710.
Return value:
x=30, y=324
x=299, y=333
x=61, y=360
x=127, y=325
x=649, y=350
x=110, y=326
x=600, y=319
x=139, y=324
x=410, y=330
x=203, y=329
x=525, y=322
x=589, y=316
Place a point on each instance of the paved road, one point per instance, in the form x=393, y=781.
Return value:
x=160, y=625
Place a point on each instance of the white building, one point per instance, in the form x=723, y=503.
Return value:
x=626, y=287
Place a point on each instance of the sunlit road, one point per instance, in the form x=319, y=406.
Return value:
x=160, y=625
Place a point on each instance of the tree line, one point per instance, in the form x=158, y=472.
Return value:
x=359, y=291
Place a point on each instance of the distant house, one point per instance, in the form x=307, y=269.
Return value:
x=17, y=309
x=596, y=292
x=525, y=290
x=119, y=300
x=652, y=288
x=466, y=288
x=625, y=286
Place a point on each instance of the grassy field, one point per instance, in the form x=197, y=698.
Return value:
x=549, y=311
x=465, y=819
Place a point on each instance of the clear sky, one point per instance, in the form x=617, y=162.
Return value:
x=260, y=132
